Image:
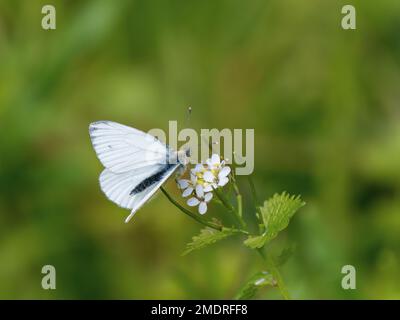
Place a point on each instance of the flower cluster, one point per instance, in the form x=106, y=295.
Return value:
x=204, y=178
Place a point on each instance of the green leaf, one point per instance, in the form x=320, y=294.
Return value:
x=259, y=280
x=276, y=214
x=208, y=236
x=278, y=211
x=255, y=242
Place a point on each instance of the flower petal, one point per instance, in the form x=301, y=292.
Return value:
x=215, y=159
x=187, y=192
x=203, y=207
x=208, y=187
x=183, y=183
x=198, y=168
x=223, y=181
x=199, y=191
x=224, y=172
x=192, y=202
x=208, y=176
x=208, y=197
x=193, y=178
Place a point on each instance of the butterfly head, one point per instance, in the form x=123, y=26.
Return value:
x=183, y=156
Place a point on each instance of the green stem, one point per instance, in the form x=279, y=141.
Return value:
x=255, y=203
x=223, y=200
x=239, y=206
x=237, y=213
x=271, y=267
x=253, y=190
x=191, y=214
x=239, y=210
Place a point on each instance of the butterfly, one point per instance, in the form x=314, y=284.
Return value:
x=136, y=163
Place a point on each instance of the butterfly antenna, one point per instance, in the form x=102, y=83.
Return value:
x=209, y=142
x=188, y=114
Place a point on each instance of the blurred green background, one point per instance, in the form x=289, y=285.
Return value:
x=324, y=103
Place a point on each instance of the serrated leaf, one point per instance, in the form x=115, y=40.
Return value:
x=259, y=280
x=207, y=237
x=276, y=214
x=255, y=242
x=278, y=211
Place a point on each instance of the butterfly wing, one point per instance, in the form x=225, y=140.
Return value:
x=121, y=148
x=131, y=189
x=136, y=163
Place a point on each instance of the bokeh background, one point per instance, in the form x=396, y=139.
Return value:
x=324, y=103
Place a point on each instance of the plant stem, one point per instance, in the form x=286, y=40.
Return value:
x=271, y=267
x=223, y=200
x=255, y=203
x=191, y=214
x=239, y=211
x=239, y=206
x=253, y=190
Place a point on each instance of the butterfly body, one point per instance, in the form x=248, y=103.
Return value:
x=136, y=163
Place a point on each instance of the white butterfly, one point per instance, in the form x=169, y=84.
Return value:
x=136, y=163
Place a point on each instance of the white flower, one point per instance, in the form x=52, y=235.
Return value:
x=214, y=163
x=198, y=172
x=187, y=186
x=223, y=176
x=199, y=168
x=218, y=172
x=201, y=199
x=204, y=177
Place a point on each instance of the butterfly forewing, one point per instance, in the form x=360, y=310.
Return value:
x=121, y=148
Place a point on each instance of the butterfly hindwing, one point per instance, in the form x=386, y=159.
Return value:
x=118, y=186
x=131, y=190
